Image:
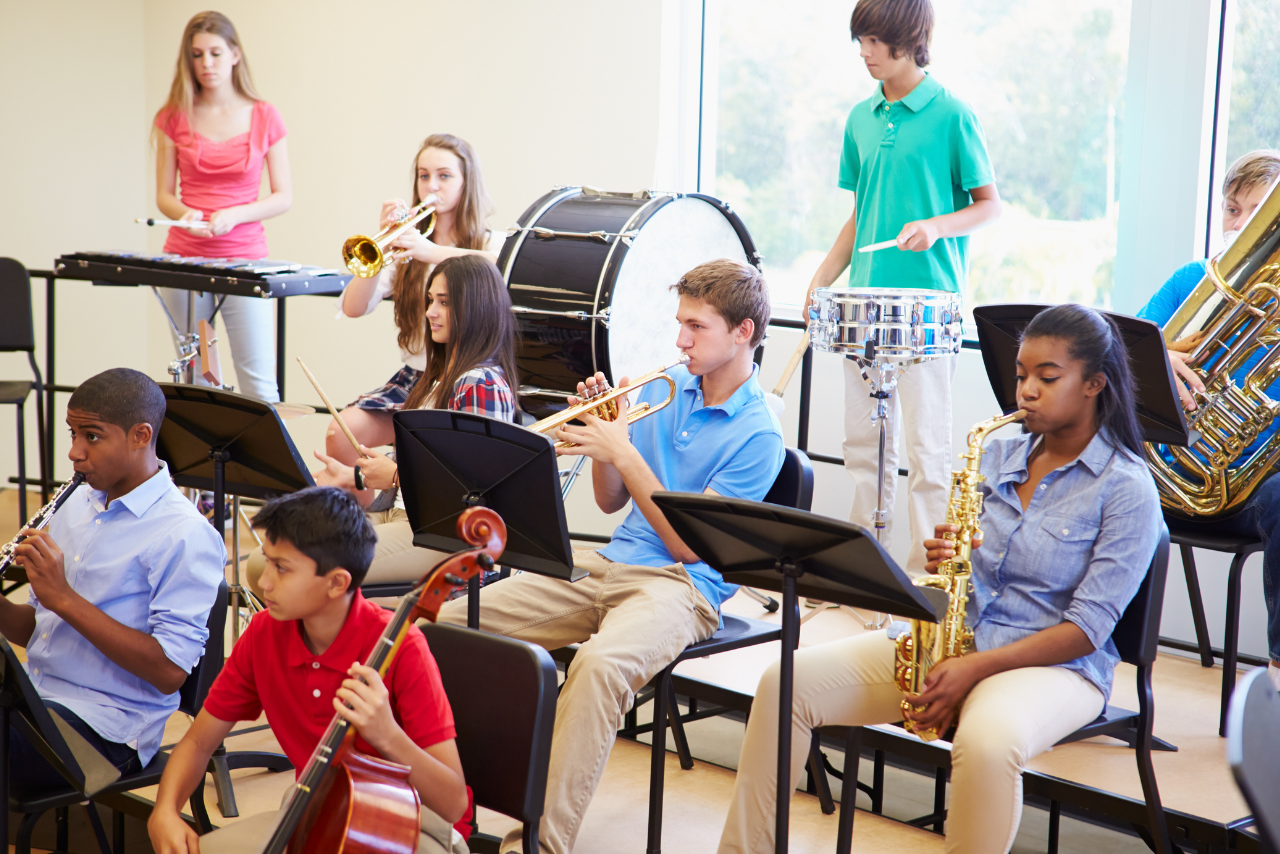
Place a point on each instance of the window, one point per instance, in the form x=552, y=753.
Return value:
x=1046, y=79
x=1251, y=92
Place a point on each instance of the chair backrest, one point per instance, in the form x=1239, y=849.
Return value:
x=17, y=332
x=193, y=691
x=503, y=695
x=794, y=484
x=1137, y=634
x=1253, y=751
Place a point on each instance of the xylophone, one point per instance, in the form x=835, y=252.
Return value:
x=230, y=276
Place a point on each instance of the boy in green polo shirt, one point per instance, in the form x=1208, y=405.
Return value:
x=915, y=157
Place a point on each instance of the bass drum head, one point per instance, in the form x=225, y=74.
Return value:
x=674, y=239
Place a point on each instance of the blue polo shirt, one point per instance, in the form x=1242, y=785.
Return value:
x=908, y=160
x=734, y=448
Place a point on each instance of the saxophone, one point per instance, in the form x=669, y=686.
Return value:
x=930, y=643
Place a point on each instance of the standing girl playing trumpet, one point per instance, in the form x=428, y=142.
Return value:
x=445, y=166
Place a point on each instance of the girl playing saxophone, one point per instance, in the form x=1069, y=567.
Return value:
x=1071, y=518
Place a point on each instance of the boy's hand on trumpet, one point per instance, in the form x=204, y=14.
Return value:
x=601, y=440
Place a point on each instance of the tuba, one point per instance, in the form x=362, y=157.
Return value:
x=930, y=643
x=1236, y=312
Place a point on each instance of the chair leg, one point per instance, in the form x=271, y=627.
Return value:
x=852, y=756
x=677, y=728
x=200, y=812
x=1231, y=638
x=1146, y=771
x=877, y=783
x=940, y=800
x=1197, y=605
x=25, y=829
x=818, y=783
x=61, y=831
x=657, y=763
x=22, y=464
x=117, y=831
x=1055, y=818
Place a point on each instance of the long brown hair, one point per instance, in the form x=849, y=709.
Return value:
x=409, y=289
x=183, y=91
x=481, y=329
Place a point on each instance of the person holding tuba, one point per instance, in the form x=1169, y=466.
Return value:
x=647, y=596
x=1244, y=187
x=1072, y=519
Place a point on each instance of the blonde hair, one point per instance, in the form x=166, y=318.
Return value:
x=183, y=90
x=1255, y=169
x=409, y=288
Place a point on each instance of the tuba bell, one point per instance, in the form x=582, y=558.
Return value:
x=1236, y=312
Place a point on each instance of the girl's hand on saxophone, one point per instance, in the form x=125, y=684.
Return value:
x=945, y=688
x=940, y=548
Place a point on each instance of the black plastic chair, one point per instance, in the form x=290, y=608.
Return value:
x=1240, y=548
x=1253, y=720
x=17, y=334
x=1137, y=637
x=191, y=699
x=504, y=721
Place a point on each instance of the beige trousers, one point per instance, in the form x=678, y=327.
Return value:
x=632, y=621
x=249, y=834
x=395, y=558
x=1007, y=720
x=922, y=403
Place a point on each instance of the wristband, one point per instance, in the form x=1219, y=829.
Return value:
x=359, y=479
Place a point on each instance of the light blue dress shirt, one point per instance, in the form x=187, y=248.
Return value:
x=734, y=448
x=149, y=561
x=1077, y=553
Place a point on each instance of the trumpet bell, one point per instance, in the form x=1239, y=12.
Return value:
x=366, y=256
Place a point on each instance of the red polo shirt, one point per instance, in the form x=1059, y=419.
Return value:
x=271, y=670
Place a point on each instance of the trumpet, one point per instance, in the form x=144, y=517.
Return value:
x=605, y=405
x=365, y=256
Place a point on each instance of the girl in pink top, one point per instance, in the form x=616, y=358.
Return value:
x=213, y=136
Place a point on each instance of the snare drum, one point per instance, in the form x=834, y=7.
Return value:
x=590, y=275
x=904, y=324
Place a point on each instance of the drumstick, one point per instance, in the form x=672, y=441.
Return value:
x=874, y=247
x=791, y=366
x=351, y=437
x=180, y=223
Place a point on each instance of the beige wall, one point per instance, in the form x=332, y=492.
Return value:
x=548, y=94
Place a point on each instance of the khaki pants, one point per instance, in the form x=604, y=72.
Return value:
x=437, y=836
x=632, y=621
x=395, y=558
x=1007, y=720
x=922, y=403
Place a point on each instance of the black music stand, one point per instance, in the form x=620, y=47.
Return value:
x=450, y=461
x=61, y=745
x=237, y=445
x=1159, y=409
x=799, y=554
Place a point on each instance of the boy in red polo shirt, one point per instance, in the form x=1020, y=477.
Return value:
x=300, y=662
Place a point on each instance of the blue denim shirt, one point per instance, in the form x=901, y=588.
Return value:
x=1077, y=553
x=149, y=561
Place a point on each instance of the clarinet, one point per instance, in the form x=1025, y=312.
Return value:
x=38, y=522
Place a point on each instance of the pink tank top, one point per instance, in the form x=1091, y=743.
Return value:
x=217, y=175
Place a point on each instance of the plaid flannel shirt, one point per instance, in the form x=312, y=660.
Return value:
x=484, y=391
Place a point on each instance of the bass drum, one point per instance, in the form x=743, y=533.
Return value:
x=590, y=272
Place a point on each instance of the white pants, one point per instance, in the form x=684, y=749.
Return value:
x=922, y=403
x=1006, y=721
x=249, y=323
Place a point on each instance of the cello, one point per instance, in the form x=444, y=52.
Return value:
x=346, y=801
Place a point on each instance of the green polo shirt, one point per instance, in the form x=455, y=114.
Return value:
x=909, y=160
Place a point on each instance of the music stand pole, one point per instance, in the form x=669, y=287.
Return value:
x=786, y=688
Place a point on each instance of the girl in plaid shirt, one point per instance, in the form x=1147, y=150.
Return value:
x=470, y=367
